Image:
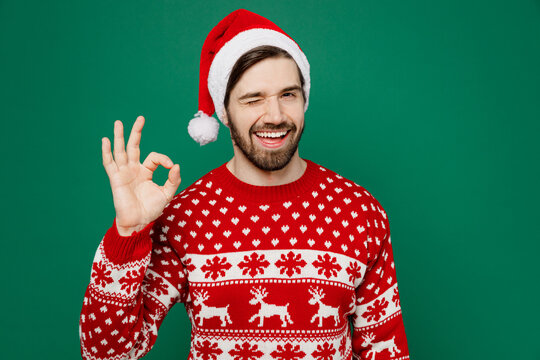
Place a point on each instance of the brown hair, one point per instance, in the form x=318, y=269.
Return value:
x=251, y=58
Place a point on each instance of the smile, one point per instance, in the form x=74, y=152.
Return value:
x=272, y=139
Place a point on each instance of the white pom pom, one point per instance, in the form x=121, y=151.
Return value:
x=203, y=128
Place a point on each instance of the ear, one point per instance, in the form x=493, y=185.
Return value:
x=224, y=118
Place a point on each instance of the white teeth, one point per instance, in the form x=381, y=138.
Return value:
x=271, y=134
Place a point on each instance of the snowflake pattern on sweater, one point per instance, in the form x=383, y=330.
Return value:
x=276, y=272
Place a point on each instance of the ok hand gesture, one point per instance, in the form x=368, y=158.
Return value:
x=137, y=199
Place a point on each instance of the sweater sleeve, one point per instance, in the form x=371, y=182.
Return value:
x=134, y=282
x=378, y=325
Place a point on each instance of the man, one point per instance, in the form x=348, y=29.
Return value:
x=273, y=255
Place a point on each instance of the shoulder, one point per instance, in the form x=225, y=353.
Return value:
x=365, y=207
x=347, y=188
x=360, y=208
x=177, y=216
x=186, y=199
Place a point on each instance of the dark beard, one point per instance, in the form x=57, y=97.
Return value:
x=267, y=160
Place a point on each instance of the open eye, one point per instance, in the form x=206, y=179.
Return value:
x=290, y=95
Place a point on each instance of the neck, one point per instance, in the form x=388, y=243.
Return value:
x=245, y=171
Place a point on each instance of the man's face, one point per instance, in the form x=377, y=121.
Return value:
x=266, y=113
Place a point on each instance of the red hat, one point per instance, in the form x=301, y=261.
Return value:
x=236, y=34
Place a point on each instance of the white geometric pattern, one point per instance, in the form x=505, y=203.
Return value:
x=275, y=276
x=274, y=270
x=389, y=309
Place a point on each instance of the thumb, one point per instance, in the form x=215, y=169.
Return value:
x=172, y=183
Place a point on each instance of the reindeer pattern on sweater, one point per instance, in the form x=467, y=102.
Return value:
x=276, y=272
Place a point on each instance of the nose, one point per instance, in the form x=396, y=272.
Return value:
x=274, y=112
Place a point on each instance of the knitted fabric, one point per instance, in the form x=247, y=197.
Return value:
x=276, y=272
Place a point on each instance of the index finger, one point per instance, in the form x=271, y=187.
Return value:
x=132, y=148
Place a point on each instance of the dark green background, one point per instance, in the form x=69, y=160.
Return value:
x=433, y=106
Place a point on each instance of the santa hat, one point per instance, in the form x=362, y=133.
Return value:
x=236, y=34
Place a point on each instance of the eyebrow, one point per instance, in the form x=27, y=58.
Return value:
x=258, y=93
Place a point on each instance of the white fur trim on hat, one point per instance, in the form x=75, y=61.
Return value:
x=221, y=67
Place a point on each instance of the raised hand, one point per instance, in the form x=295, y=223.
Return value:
x=137, y=199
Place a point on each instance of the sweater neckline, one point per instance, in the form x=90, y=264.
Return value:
x=257, y=193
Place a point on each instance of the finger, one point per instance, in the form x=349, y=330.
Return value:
x=120, y=156
x=108, y=162
x=172, y=182
x=153, y=160
x=133, y=151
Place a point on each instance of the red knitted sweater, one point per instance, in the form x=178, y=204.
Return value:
x=265, y=272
